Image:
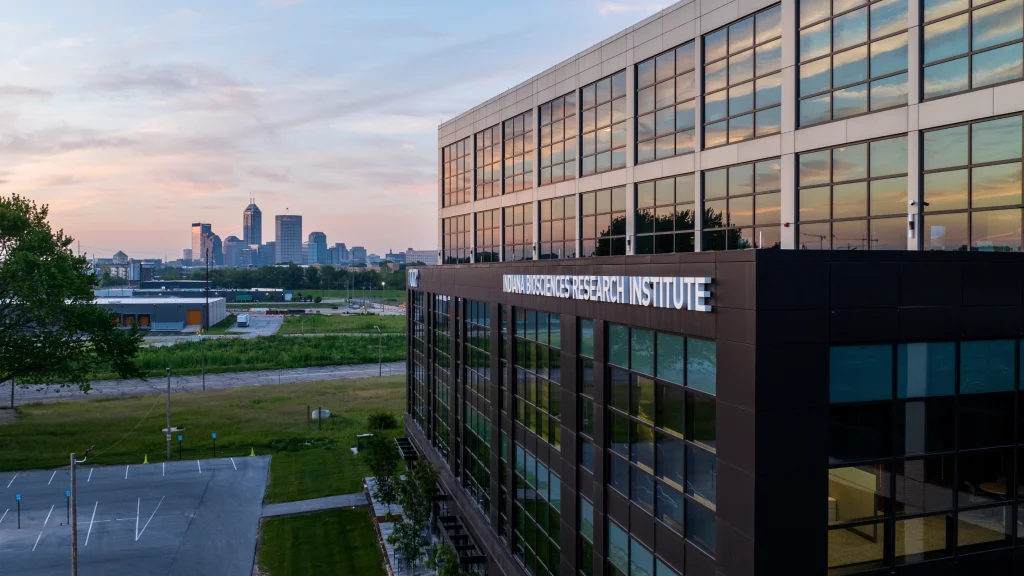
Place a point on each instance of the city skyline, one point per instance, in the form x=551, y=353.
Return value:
x=133, y=120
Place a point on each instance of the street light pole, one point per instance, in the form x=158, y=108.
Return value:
x=202, y=344
x=168, y=413
x=74, y=511
x=380, y=371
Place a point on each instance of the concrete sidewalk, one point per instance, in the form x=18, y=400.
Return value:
x=315, y=505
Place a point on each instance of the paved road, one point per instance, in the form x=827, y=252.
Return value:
x=259, y=325
x=118, y=388
x=316, y=504
x=187, y=518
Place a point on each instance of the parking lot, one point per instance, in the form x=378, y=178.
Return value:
x=189, y=518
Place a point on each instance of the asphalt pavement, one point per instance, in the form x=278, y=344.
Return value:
x=122, y=388
x=182, y=518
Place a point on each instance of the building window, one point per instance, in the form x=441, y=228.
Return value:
x=538, y=514
x=585, y=374
x=558, y=140
x=628, y=557
x=519, y=152
x=972, y=186
x=586, y=533
x=664, y=215
x=558, y=228
x=853, y=58
x=743, y=206
x=920, y=469
x=968, y=47
x=442, y=438
x=488, y=235
x=604, y=125
x=518, y=233
x=477, y=406
x=854, y=197
x=665, y=92
x=488, y=162
x=458, y=172
x=538, y=361
x=456, y=238
x=742, y=82
x=604, y=222
x=418, y=352
x=661, y=420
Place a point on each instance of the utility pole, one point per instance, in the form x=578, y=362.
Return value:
x=74, y=511
x=168, y=413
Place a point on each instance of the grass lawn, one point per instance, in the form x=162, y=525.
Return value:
x=222, y=326
x=391, y=296
x=271, y=419
x=263, y=353
x=337, y=324
x=331, y=543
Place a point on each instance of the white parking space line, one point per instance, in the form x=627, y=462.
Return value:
x=138, y=507
x=233, y=463
x=4, y=516
x=12, y=480
x=90, y=475
x=163, y=469
x=139, y=534
x=44, y=526
x=200, y=466
x=91, y=520
x=126, y=472
x=51, y=477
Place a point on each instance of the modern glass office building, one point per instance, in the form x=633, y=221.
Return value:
x=738, y=291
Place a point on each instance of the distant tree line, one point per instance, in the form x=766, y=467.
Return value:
x=294, y=277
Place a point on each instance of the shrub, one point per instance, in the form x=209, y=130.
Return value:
x=382, y=421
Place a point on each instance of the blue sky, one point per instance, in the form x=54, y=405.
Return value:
x=134, y=119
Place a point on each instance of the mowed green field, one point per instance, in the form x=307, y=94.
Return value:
x=342, y=324
x=306, y=463
x=332, y=543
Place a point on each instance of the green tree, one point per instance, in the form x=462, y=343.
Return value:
x=444, y=561
x=415, y=496
x=50, y=330
x=382, y=459
x=312, y=278
x=408, y=543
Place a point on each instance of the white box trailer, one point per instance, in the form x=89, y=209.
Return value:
x=243, y=320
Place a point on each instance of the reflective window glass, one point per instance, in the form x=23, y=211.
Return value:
x=736, y=109
x=968, y=48
x=859, y=373
x=926, y=369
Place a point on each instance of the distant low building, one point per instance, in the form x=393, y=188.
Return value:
x=427, y=257
x=166, y=314
x=396, y=257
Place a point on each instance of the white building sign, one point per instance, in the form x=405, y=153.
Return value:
x=678, y=292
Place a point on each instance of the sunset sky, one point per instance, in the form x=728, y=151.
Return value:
x=134, y=119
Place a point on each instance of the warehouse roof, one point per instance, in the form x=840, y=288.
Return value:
x=169, y=300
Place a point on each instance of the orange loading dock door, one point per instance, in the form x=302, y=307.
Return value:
x=194, y=318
